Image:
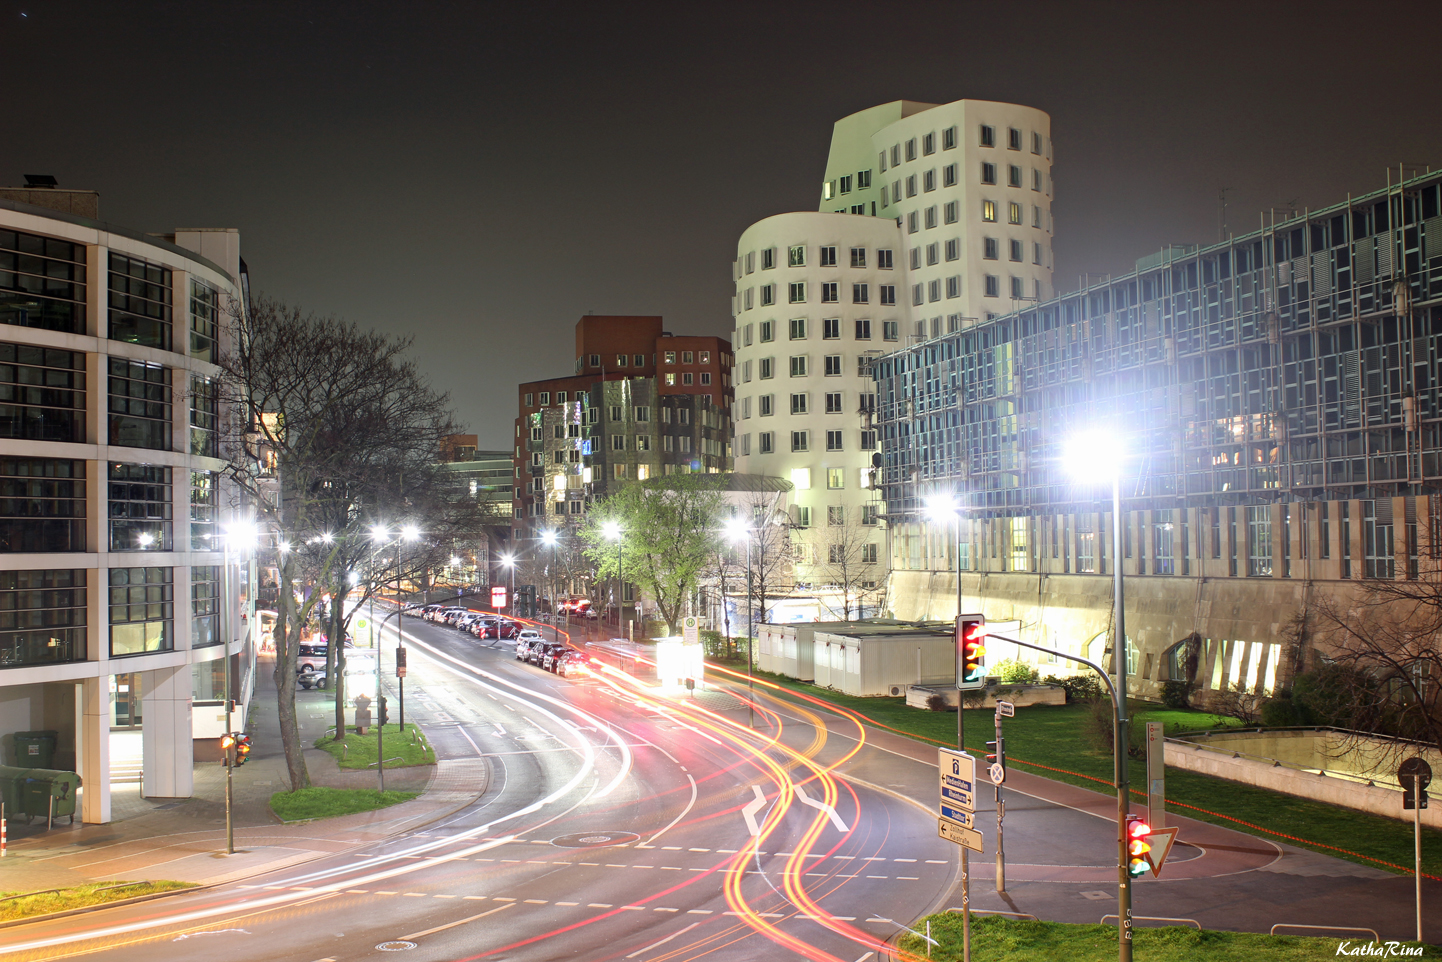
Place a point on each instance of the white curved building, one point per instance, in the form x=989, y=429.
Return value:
x=932, y=217
x=111, y=566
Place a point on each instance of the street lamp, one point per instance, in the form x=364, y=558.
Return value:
x=1094, y=457
x=612, y=530
x=737, y=530
x=238, y=534
x=380, y=534
x=550, y=538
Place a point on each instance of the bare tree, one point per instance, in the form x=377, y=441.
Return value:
x=1380, y=660
x=772, y=562
x=330, y=429
x=849, y=557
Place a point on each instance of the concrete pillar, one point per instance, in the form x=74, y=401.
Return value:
x=1401, y=544
x=168, y=734
x=1357, y=546
x=92, y=748
x=1281, y=550
x=1229, y=548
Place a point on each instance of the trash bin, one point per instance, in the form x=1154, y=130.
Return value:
x=49, y=793
x=35, y=749
x=12, y=780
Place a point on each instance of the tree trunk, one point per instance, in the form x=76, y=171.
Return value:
x=337, y=653
x=285, y=661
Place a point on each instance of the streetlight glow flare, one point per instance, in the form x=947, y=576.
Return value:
x=1094, y=456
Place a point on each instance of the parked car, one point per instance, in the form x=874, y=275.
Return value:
x=571, y=662
x=539, y=653
x=523, y=648
x=551, y=660
x=529, y=634
x=311, y=658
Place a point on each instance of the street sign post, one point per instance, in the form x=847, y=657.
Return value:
x=1005, y=709
x=957, y=808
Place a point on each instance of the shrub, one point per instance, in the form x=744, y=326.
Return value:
x=1078, y=688
x=1015, y=673
x=1100, y=729
x=1280, y=713
x=1176, y=693
x=936, y=701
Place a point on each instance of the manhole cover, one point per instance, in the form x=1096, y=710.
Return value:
x=595, y=839
x=395, y=945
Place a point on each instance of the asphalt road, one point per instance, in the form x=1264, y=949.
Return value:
x=616, y=824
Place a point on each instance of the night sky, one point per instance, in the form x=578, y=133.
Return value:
x=480, y=175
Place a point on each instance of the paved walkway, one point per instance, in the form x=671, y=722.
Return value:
x=185, y=839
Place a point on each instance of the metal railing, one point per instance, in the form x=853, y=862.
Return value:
x=1155, y=918
x=1324, y=928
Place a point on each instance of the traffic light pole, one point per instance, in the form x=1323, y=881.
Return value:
x=1124, y=891
x=1000, y=809
x=229, y=757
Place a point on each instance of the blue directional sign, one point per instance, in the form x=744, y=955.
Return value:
x=958, y=778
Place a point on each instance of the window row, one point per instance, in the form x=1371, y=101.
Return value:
x=928, y=182
x=43, y=612
x=829, y=292
x=833, y=403
x=843, y=184
x=835, y=440
x=830, y=331
x=796, y=256
x=799, y=365
x=986, y=137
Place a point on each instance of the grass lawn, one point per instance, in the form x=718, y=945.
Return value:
x=996, y=939
x=79, y=897
x=318, y=802
x=1051, y=741
x=403, y=748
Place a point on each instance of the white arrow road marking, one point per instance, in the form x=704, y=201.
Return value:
x=752, y=807
x=830, y=812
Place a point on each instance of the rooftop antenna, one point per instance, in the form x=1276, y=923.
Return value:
x=1222, y=213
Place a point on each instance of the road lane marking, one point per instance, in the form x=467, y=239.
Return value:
x=831, y=813
x=749, y=810
x=684, y=812
x=451, y=925
x=663, y=941
x=599, y=905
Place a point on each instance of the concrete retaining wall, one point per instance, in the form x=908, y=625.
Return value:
x=1334, y=790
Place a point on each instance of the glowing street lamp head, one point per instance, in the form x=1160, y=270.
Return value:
x=327, y=537
x=242, y=533
x=380, y=532
x=941, y=507
x=736, y=529
x=509, y=560
x=455, y=561
x=549, y=538
x=146, y=539
x=611, y=530
x=410, y=532
x=1095, y=456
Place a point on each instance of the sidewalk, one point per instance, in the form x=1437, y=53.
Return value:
x=184, y=839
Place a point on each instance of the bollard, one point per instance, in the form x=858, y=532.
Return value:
x=50, y=815
x=3, y=835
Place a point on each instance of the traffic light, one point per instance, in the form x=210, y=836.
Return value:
x=242, y=748
x=227, y=742
x=997, y=755
x=384, y=716
x=1139, y=845
x=971, y=648
x=401, y=661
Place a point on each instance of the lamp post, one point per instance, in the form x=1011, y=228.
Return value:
x=549, y=538
x=738, y=531
x=240, y=533
x=380, y=534
x=612, y=530
x=1097, y=457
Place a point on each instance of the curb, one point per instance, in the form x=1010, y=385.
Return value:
x=203, y=886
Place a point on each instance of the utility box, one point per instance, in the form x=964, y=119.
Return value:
x=35, y=749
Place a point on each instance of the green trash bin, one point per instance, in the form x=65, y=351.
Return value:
x=35, y=749
x=12, y=780
x=50, y=794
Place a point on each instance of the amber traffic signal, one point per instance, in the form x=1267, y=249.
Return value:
x=242, y=748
